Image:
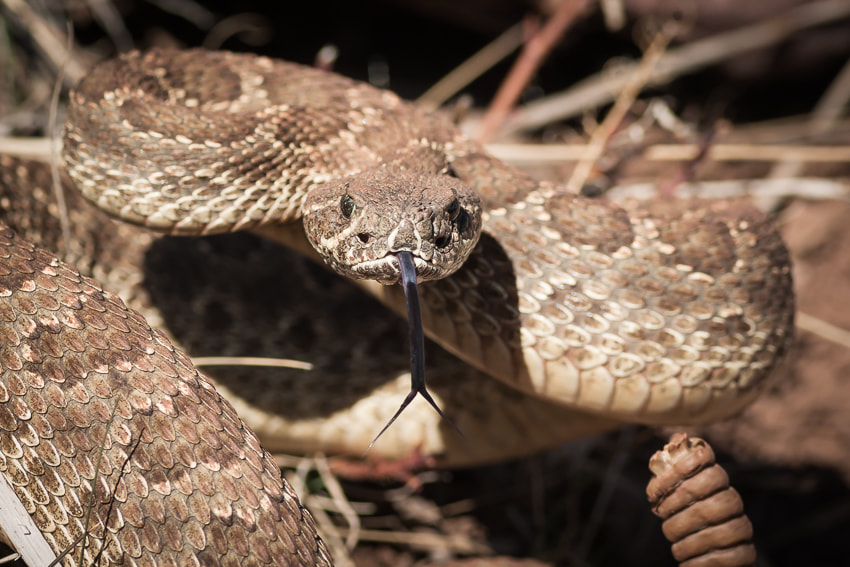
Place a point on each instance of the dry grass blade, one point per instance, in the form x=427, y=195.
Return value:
x=58, y=189
x=251, y=361
x=767, y=189
x=11, y=558
x=35, y=147
x=823, y=329
x=558, y=153
x=750, y=152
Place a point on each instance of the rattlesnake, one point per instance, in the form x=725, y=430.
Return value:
x=666, y=313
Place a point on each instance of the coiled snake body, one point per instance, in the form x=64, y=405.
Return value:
x=663, y=313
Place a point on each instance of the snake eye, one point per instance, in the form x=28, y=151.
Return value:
x=346, y=206
x=453, y=209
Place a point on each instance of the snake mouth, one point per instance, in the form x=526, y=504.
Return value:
x=386, y=270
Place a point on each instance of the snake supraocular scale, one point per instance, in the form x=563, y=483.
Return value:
x=671, y=317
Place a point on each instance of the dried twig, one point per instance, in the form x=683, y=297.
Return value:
x=530, y=59
x=767, y=189
x=614, y=14
x=34, y=147
x=559, y=153
x=251, y=361
x=39, y=148
x=750, y=152
x=823, y=329
x=58, y=189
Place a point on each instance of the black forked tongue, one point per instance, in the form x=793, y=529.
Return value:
x=417, y=344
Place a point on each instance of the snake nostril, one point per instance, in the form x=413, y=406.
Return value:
x=363, y=237
x=443, y=241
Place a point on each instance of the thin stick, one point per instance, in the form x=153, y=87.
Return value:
x=483, y=60
x=604, y=87
x=251, y=361
x=762, y=189
x=529, y=60
x=559, y=153
x=64, y=222
x=11, y=558
x=32, y=147
x=599, y=137
x=749, y=152
x=823, y=329
x=40, y=148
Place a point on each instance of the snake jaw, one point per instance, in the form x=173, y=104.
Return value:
x=387, y=270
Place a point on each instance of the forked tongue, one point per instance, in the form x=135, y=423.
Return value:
x=417, y=343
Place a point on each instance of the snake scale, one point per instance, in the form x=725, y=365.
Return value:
x=587, y=313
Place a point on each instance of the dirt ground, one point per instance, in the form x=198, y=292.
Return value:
x=583, y=504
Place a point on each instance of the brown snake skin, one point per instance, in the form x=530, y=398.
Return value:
x=671, y=317
x=179, y=481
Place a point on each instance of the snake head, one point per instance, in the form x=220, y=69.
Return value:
x=359, y=223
